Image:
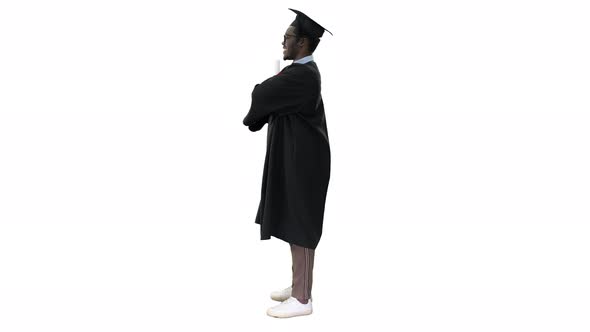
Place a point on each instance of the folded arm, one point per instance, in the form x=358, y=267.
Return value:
x=280, y=94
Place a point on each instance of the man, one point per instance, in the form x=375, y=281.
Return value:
x=297, y=162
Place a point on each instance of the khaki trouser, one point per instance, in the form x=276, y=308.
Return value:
x=302, y=272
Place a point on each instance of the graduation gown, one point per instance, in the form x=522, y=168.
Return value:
x=297, y=163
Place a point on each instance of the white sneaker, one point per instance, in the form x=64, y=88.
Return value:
x=290, y=308
x=281, y=295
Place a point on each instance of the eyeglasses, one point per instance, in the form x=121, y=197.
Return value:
x=285, y=37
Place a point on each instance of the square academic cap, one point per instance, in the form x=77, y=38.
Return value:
x=306, y=26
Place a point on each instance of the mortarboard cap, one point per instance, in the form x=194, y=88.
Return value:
x=306, y=26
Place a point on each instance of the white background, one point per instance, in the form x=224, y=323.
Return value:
x=459, y=193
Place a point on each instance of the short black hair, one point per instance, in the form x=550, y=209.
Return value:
x=313, y=41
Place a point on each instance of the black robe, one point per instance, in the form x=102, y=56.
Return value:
x=297, y=162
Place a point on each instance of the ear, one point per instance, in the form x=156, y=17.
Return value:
x=301, y=42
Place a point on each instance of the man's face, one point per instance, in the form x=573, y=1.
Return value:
x=290, y=44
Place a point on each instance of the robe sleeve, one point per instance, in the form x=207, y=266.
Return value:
x=281, y=94
x=258, y=125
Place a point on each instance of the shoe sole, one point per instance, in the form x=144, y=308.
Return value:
x=280, y=299
x=289, y=316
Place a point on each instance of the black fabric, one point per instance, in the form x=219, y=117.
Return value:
x=297, y=163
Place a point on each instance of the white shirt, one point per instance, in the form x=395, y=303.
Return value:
x=305, y=59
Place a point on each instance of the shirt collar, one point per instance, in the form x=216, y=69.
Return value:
x=305, y=59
